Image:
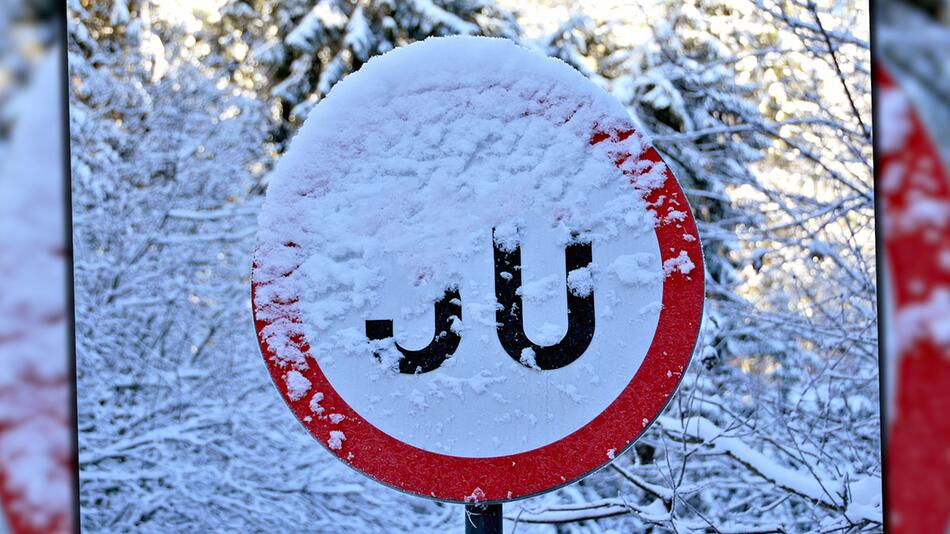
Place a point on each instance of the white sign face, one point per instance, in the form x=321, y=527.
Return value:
x=469, y=260
x=480, y=401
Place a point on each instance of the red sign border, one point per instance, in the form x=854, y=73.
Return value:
x=447, y=478
x=914, y=440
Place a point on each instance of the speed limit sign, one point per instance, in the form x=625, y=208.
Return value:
x=474, y=281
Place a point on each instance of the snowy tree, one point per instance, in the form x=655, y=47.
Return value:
x=293, y=52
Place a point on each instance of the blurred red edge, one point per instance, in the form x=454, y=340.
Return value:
x=918, y=452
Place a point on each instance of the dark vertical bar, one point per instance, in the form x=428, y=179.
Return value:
x=483, y=519
x=70, y=300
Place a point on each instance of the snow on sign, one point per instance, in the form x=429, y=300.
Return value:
x=473, y=280
x=915, y=201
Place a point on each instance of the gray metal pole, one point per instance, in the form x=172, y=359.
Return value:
x=483, y=519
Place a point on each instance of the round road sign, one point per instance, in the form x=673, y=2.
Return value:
x=474, y=281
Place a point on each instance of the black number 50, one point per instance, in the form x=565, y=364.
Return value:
x=509, y=320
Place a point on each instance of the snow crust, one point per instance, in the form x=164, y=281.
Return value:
x=389, y=195
x=297, y=385
x=336, y=440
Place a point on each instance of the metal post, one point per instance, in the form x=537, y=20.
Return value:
x=483, y=519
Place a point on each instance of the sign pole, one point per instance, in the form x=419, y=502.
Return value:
x=483, y=519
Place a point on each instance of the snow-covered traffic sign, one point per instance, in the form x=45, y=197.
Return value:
x=474, y=281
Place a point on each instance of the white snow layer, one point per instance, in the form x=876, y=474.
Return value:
x=34, y=430
x=894, y=112
x=388, y=195
x=297, y=385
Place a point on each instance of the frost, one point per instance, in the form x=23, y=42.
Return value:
x=507, y=236
x=541, y=289
x=929, y=319
x=634, y=269
x=478, y=383
x=456, y=325
x=581, y=281
x=336, y=440
x=387, y=353
x=674, y=215
x=476, y=496
x=527, y=358
x=315, y=403
x=921, y=213
x=894, y=110
x=418, y=399
x=571, y=392
x=681, y=264
x=549, y=333
x=297, y=385
x=335, y=418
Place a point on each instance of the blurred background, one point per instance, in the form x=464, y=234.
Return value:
x=178, y=109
